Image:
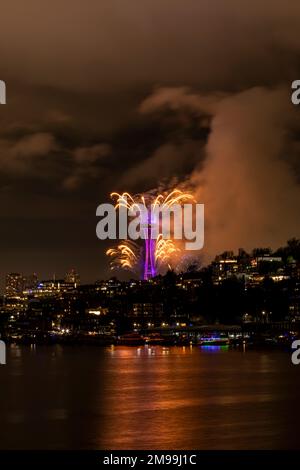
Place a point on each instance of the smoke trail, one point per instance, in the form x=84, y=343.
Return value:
x=247, y=181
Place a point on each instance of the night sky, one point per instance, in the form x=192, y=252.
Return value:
x=126, y=95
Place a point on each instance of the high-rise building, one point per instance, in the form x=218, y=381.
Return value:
x=72, y=277
x=146, y=312
x=14, y=285
x=31, y=281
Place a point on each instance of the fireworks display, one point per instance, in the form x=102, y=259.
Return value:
x=151, y=255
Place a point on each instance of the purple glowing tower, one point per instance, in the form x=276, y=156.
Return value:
x=149, y=269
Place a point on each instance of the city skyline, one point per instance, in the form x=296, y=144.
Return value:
x=247, y=293
x=290, y=251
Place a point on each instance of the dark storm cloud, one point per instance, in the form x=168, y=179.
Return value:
x=116, y=44
x=117, y=95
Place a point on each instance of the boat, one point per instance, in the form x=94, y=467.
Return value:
x=214, y=340
x=131, y=339
x=155, y=339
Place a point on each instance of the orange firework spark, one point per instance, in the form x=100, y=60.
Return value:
x=127, y=254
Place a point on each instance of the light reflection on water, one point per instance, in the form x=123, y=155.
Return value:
x=148, y=397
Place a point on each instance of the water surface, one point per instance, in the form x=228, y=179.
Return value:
x=55, y=397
